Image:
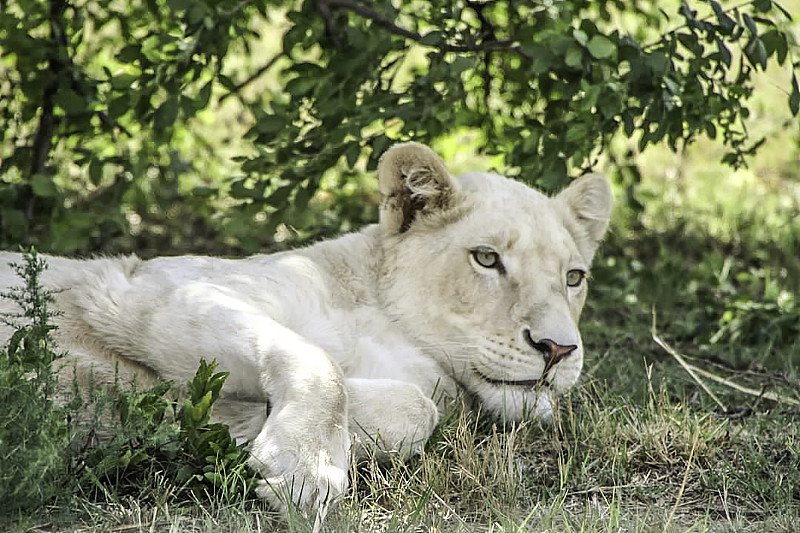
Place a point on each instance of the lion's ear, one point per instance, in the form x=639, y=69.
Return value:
x=589, y=201
x=413, y=181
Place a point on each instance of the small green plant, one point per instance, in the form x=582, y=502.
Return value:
x=174, y=438
x=33, y=436
x=51, y=449
x=211, y=457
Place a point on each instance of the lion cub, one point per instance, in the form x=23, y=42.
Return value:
x=472, y=283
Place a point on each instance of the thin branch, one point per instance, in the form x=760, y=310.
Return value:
x=388, y=24
x=330, y=25
x=111, y=124
x=43, y=140
x=703, y=19
x=696, y=372
x=487, y=29
x=767, y=395
x=237, y=8
x=686, y=366
x=250, y=79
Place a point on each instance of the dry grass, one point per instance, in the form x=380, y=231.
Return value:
x=605, y=464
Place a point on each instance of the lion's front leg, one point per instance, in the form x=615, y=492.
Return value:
x=303, y=448
x=389, y=416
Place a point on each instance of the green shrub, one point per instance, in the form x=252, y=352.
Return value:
x=33, y=436
x=49, y=450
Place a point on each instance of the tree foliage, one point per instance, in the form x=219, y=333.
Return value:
x=99, y=101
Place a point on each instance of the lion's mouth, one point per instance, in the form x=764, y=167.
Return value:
x=529, y=383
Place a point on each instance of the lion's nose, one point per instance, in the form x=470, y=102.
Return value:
x=552, y=352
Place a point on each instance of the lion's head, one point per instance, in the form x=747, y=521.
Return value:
x=490, y=275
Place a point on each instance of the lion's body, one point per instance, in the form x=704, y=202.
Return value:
x=369, y=334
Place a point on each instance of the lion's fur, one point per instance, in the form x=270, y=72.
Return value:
x=369, y=334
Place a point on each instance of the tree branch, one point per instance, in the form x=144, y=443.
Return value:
x=44, y=133
x=487, y=30
x=330, y=25
x=43, y=140
x=388, y=24
x=250, y=79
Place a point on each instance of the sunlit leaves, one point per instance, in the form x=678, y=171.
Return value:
x=600, y=47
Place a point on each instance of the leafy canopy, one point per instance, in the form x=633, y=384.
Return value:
x=97, y=98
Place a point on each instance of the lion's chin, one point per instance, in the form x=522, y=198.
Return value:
x=515, y=403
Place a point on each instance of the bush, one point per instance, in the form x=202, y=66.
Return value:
x=49, y=450
x=33, y=433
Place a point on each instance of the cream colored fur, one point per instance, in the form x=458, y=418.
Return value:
x=359, y=339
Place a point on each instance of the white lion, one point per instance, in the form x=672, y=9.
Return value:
x=474, y=283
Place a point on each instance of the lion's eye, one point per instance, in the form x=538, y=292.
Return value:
x=575, y=277
x=487, y=258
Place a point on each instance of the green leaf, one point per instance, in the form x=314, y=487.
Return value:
x=574, y=57
x=355, y=37
x=756, y=53
x=352, y=152
x=123, y=81
x=723, y=53
x=600, y=47
x=70, y=101
x=783, y=10
x=215, y=478
x=462, y=63
x=762, y=5
x=576, y=132
x=432, y=38
x=280, y=197
x=775, y=43
x=166, y=114
x=43, y=186
x=129, y=53
x=658, y=63
x=580, y=36
x=299, y=87
x=751, y=25
x=180, y=5
x=794, y=97
x=95, y=171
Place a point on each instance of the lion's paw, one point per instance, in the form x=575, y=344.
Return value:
x=305, y=472
x=391, y=417
x=310, y=492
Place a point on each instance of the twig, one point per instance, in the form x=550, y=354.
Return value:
x=330, y=25
x=131, y=527
x=250, y=79
x=683, y=483
x=388, y=24
x=695, y=372
x=487, y=28
x=767, y=395
x=237, y=8
x=688, y=24
x=686, y=366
